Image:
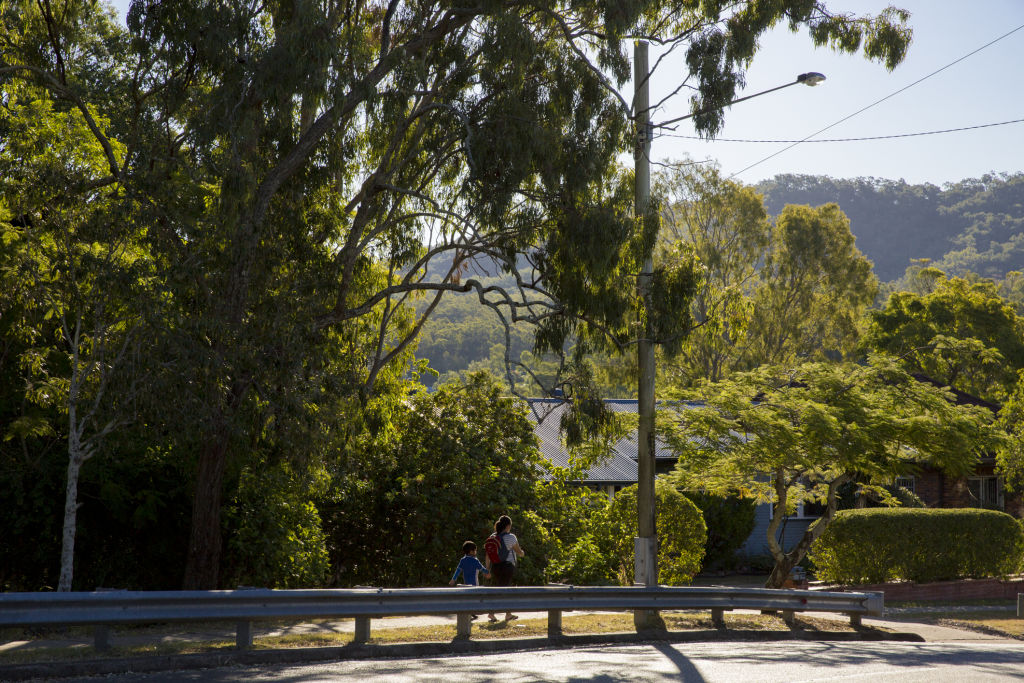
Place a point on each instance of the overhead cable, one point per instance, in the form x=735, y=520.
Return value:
x=872, y=137
x=893, y=94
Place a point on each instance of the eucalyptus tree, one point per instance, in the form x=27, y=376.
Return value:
x=305, y=168
x=728, y=228
x=812, y=291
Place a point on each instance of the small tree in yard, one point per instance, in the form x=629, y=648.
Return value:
x=786, y=436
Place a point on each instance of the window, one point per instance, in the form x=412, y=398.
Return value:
x=906, y=482
x=811, y=509
x=803, y=511
x=986, y=492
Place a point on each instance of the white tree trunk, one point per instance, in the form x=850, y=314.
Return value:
x=67, y=549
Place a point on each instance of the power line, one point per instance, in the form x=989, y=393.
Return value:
x=893, y=94
x=873, y=137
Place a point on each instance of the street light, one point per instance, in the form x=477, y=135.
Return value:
x=811, y=78
x=645, y=545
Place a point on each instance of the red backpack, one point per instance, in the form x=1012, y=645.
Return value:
x=495, y=548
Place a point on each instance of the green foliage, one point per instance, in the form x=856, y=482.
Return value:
x=450, y=463
x=730, y=521
x=874, y=546
x=680, y=528
x=960, y=333
x=1010, y=456
x=812, y=290
x=279, y=542
x=284, y=179
x=769, y=293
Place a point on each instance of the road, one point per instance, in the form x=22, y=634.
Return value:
x=718, y=662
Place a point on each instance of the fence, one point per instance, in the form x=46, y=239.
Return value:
x=104, y=609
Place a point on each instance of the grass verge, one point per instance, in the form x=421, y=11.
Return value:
x=157, y=640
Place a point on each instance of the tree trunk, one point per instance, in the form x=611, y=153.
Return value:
x=780, y=572
x=784, y=562
x=67, y=550
x=202, y=569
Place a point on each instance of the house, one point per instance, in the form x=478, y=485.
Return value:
x=983, y=488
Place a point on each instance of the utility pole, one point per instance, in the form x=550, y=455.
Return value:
x=646, y=544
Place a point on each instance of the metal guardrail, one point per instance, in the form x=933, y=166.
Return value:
x=104, y=609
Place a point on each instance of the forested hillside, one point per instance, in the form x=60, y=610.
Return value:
x=975, y=225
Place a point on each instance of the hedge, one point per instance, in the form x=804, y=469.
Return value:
x=888, y=544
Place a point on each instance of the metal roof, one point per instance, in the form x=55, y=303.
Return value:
x=620, y=468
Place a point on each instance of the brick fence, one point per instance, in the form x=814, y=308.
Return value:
x=965, y=589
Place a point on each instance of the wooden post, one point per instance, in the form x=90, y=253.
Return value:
x=101, y=638
x=463, y=626
x=855, y=621
x=1020, y=605
x=554, y=623
x=243, y=635
x=362, y=634
x=789, y=617
x=718, y=617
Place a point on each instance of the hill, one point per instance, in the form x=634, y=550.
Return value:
x=974, y=225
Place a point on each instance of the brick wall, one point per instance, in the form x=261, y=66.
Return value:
x=967, y=589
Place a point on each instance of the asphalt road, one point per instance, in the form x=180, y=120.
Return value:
x=719, y=662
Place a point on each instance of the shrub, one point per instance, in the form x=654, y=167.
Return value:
x=730, y=521
x=681, y=535
x=878, y=545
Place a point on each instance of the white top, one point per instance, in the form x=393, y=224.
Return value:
x=510, y=540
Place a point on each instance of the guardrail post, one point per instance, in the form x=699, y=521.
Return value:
x=362, y=634
x=875, y=603
x=718, y=617
x=554, y=623
x=101, y=638
x=855, y=619
x=243, y=635
x=1020, y=605
x=789, y=617
x=463, y=625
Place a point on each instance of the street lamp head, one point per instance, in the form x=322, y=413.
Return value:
x=810, y=78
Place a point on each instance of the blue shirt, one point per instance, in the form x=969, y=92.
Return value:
x=470, y=567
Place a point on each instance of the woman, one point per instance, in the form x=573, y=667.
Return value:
x=502, y=571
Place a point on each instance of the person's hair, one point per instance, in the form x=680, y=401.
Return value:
x=503, y=524
x=468, y=547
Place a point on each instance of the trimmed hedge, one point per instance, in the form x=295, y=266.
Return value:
x=887, y=544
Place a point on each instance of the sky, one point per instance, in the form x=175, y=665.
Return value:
x=981, y=89
x=984, y=88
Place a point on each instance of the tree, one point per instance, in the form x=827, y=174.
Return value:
x=813, y=289
x=300, y=167
x=86, y=270
x=726, y=225
x=795, y=435
x=771, y=290
x=960, y=333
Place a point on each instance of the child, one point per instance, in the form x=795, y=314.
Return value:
x=469, y=566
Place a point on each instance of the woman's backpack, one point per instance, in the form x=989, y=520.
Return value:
x=495, y=548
